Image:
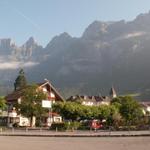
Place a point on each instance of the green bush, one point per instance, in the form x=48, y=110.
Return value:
x=85, y=125
x=72, y=125
x=57, y=126
x=65, y=126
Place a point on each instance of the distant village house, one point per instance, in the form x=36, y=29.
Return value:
x=94, y=100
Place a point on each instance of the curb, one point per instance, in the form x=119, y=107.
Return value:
x=76, y=135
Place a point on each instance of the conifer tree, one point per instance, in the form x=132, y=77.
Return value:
x=20, y=81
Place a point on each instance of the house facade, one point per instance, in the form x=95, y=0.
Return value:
x=90, y=100
x=16, y=97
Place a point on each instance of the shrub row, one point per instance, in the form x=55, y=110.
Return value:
x=65, y=126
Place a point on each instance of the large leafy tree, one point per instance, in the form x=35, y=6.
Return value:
x=76, y=111
x=122, y=110
x=31, y=103
x=20, y=81
x=129, y=109
x=69, y=110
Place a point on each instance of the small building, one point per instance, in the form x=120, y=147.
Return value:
x=146, y=107
x=94, y=100
x=90, y=100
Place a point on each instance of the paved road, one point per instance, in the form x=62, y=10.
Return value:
x=62, y=143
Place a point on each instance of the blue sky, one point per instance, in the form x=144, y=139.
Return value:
x=43, y=19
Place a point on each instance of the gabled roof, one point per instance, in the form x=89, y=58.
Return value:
x=145, y=103
x=14, y=95
x=18, y=93
x=89, y=98
x=52, y=89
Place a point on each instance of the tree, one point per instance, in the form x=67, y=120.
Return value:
x=69, y=110
x=20, y=81
x=31, y=103
x=129, y=109
x=2, y=103
x=76, y=111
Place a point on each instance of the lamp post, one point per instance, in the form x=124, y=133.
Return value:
x=50, y=114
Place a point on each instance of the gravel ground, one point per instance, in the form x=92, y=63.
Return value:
x=62, y=143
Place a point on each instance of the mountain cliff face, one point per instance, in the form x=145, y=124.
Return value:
x=108, y=53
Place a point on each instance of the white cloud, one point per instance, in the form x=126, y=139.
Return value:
x=134, y=34
x=16, y=64
x=130, y=35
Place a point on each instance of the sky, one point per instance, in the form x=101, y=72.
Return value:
x=44, y=19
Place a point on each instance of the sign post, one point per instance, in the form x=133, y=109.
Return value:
x=48, y=104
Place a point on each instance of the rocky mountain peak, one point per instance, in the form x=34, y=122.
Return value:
x=6, y=46
x=95, y=30
x=143, y=21
x=59, y=39
x=64, y=35
x=143, y=16
x=30, y=43
x=5, y=42
x=31, y=39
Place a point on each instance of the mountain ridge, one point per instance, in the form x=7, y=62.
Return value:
x=107, y=53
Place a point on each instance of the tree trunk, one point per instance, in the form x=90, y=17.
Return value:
x=33, y=121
